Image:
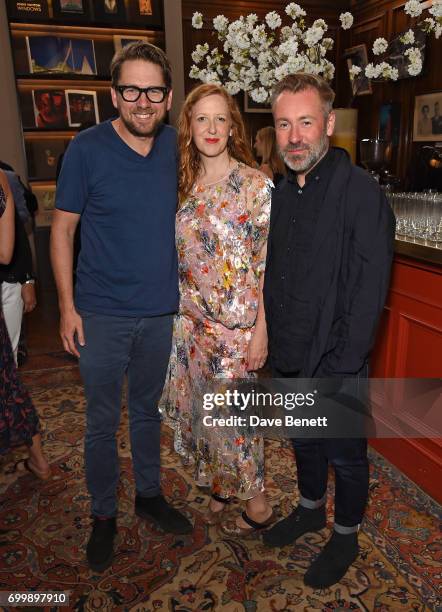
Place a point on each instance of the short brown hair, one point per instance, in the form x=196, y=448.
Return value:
x=300, y=81
x=140, y=50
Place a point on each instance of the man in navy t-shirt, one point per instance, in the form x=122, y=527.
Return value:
x=120, y=178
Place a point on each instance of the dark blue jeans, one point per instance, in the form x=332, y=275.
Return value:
x=116, y=346
x=348, y=457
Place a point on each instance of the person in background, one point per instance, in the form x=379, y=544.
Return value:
x=18, y=282
x=220, y=331
x=271, y=162
x=19, y=423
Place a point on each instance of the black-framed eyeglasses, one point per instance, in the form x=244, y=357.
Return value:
x=131, y=93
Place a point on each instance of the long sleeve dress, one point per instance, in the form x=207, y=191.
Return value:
x=221, y=235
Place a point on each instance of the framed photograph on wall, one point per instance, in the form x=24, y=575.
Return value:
x=45, y=194
x=122, y=41
x=50, y=109
x=35, y=10
x=427, y=122
x=109, y=11
x=146, y=12
x=357, y=56
x=55, y=54
x=82, y=107
x=42, y=155
x=71, y=10
x=250, y=106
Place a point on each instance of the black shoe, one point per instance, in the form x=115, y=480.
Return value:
x=300, y=521
x=100, y=548
x=165, y=516
x=333, y=562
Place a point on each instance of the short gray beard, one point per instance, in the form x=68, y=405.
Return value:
x=305, y=164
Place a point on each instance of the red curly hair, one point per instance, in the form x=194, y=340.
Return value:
x=190, y=161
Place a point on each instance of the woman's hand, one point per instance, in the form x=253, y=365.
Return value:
x=257, y=349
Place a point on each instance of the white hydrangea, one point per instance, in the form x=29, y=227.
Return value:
x=380, y=45
x=232, y=87
x=295, y=63
x=294, y=11
x=199, y=53
x=372, y=71
x=328, y=70
x=259, y=34
x=408, y=38
x=281, y=72
x=387, y=71
x=267, y=78
x=251, y=19
x=212, y=77
x=288, y=47
x=413, y=8
x=194, y=72
x=220, y=23
x=197, y=21
x=259, y=95
x=313, y=36
x=285, y=32
x=438, y=30
x=264, y=58
x=273, y=20
x=354, y=72
x=346, y=20
x=328, y=43
x=436, y=9
x=320, y=23
x=414, y=68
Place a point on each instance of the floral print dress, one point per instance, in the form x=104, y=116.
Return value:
x=221, y=235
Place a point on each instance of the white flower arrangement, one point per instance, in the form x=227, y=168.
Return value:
x=255, y=55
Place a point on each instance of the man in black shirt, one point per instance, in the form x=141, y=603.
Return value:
x=329, y=256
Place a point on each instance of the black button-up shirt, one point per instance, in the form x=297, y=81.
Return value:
x=296, y=211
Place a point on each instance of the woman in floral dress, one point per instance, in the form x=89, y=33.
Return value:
x=18, y=419
x=220, y=331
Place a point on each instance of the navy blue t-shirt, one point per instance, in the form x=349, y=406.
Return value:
x=128, y=263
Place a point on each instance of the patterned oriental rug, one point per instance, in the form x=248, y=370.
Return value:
x=45, y=526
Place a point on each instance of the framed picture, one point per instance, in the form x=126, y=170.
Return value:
x=50, y=108
x=54, y=54
x=427, y=123
x=31, y=11
x=250, y=106
x=357, y=56
x=110, y=11
x=72, y=10
x=395, y=52
x=42, y=155
x=82, y=107
x=146, y=12
x=45, y=194
x=389, y=122
x=122, y=41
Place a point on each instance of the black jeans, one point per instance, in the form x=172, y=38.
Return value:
x=348, y=457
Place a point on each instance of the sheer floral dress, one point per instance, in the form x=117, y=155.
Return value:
x=221, y=234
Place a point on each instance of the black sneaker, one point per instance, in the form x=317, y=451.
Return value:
x=163, y=514
x=100, y=548
x=300, y=521
x=333, y=562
